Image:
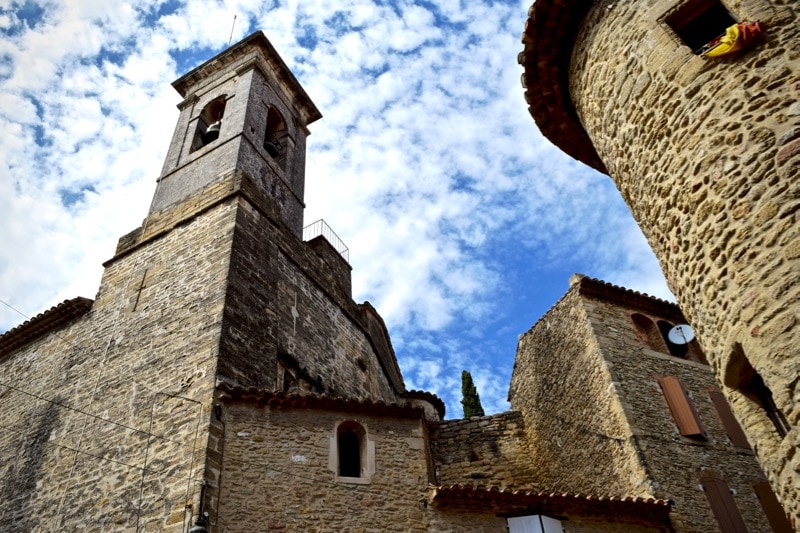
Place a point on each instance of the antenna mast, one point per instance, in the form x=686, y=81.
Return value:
x=232, y=26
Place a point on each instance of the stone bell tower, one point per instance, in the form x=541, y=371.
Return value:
x=243, y=110
x=691, y=106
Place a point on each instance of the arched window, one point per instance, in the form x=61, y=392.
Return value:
x=742, y=376
x=351, y=445
x=275, y=134
x=209, y=123
x=649, y=333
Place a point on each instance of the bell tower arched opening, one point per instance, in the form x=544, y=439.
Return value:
x=209, y=123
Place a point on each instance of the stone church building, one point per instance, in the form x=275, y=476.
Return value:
x=224, y=380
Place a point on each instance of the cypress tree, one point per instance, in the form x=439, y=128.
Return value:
x=471, y=401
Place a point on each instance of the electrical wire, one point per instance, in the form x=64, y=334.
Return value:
x=97, y=417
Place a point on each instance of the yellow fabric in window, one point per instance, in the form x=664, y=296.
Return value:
x=730, y=42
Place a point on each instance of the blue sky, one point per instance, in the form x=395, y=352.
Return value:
x=463, y=223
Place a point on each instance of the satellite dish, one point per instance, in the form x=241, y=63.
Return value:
x=681, y=334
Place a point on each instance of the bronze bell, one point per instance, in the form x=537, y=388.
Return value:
x=272, y=148
x=212, y=133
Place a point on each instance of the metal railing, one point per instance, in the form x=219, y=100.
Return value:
x=320, y=227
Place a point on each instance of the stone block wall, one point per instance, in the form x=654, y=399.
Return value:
x=578, y=433
x=706, y=153
x=278, y=474
x=104, y=417
x=672, y=462
x=491, y=451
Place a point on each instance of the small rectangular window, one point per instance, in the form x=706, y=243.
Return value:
x=698, y=22
x=682, y=407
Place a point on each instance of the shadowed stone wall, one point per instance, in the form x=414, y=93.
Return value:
x=706, y=152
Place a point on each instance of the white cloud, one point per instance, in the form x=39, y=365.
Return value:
x=426, y=162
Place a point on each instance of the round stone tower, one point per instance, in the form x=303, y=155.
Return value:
x=692, y=108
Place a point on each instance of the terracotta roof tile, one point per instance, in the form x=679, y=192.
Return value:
x=53, y=318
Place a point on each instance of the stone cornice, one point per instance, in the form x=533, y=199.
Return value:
x=266, y=53
x=279, y=399
x=548, y=40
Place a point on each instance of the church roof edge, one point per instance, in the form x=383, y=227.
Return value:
x=35, y=327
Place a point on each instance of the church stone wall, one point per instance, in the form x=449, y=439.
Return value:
x=577, y=431
x=707, y=154
x=278, y=473
x=673, y=462
x=284, y=300
x=101, y=418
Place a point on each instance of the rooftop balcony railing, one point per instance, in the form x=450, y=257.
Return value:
x=320, y=227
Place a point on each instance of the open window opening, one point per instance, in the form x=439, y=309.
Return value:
x=349, y=452
x=209, y=123
x=276, y=134
x=700, y=22
x=352, y=458
x=749, y=382
x=649, y=333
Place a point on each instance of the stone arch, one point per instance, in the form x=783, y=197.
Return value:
x=276, y=134
x=649, y=333
x=209, y=123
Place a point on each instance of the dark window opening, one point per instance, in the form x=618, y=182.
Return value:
x=276, y=133
x=741, y=376
x=698, y=22
x=289, y=381
x=209, y=123
x=758, y=391
x=349, y=444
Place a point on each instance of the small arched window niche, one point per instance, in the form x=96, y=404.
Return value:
x=209, y=123
x=655, y=335
x=276, y=135
x=352, y=454
x=744, y=378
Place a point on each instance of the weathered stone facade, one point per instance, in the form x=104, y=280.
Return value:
x=224, y=380
x=706, y=152
x=587, y=383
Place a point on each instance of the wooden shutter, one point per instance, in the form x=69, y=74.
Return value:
x=681, y=407
x=722, y=503
x=729, y=421
x=772, y=507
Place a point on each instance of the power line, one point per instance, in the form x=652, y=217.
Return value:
x=97, y=417
x=95, y=456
